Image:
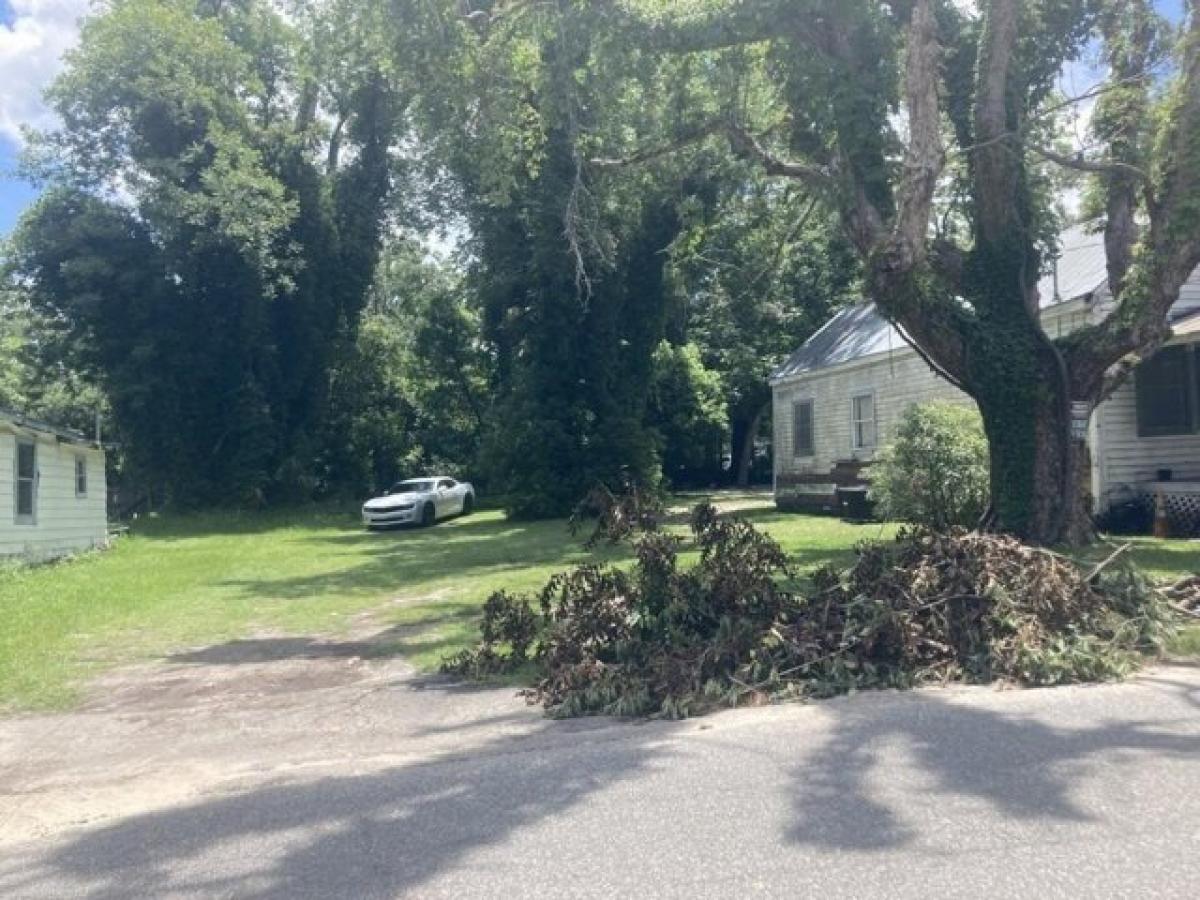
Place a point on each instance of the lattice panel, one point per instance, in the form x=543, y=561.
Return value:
x=1183, y=511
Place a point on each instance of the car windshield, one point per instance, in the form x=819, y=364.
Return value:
x=412, y=486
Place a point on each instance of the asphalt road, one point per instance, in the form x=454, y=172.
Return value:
x=1072, y=792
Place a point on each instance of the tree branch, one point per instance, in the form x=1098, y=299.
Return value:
x=1120, y=119
x=996, y=168
x=691, y=136
x=746, y=146
x=947, y=260
x=740, y=23
x=924, y=156
x=1167, y=255
x=1104, y=167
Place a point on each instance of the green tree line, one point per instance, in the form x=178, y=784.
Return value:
x=302, y=252
x=601, y=222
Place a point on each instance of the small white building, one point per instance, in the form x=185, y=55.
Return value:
x=55, y=485
x=839, y=397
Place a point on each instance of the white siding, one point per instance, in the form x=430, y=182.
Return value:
x=1128, y=461
x=1189, y=297
x=64, y=522
x=898, y=380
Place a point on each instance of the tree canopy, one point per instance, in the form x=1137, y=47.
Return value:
x=301, y=252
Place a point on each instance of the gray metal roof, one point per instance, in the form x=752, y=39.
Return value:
x=859, y=330
x=855, y=331
x=31, y=424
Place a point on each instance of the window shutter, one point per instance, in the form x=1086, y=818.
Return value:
x=1164, y=394
x=802, y=428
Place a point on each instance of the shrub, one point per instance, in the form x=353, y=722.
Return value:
x=935, y=472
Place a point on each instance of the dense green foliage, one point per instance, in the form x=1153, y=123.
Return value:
x=687, y=409
x=571, y=184
x=38, y=383
x=207, y=294
x=410, y=393
x=935, y=471
x=233, y=258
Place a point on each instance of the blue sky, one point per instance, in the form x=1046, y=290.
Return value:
x=13, y=196
x=33, y=35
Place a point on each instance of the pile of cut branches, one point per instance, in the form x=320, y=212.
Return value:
x=663, y=639
x=1184, y=595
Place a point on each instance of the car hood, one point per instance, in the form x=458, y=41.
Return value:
x=390, y=500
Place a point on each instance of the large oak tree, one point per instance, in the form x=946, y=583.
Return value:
x=911, y=115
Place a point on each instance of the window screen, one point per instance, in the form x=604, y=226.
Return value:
x=1164, y=394
x=862, y=409
x=802, y=428
x=26, y=481
x=81, y=476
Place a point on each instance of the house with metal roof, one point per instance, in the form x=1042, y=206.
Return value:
x=840, y=396
x=54, y=479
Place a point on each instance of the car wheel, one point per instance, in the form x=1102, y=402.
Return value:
x=468, y=504
x=427, y=515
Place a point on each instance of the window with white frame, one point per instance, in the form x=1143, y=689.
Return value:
x=25, y=482
x=80, y=475
x=802, y=428
x=862, y=421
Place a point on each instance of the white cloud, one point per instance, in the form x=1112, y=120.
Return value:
x=31, y=49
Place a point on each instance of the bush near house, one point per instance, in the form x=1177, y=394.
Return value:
x=935, y=472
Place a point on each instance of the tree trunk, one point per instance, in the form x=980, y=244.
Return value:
x=1040, y=469
x=746, y=459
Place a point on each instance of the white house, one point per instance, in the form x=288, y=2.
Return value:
x=54, y=479
x=840, y=396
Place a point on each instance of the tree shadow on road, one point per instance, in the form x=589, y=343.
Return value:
x=1019, y=766
x=375, y=835
x=388, y=833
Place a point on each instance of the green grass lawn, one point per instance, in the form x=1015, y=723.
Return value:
x=185, y=581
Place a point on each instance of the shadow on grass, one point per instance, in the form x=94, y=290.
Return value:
x=406, y=562
x=185, y=526
x=419, y=635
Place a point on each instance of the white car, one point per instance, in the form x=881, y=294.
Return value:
x=419, y=501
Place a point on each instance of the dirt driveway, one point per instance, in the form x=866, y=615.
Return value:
x=217, y=718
